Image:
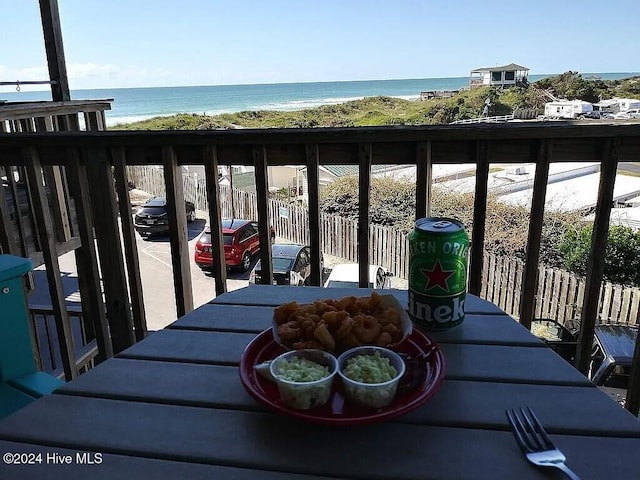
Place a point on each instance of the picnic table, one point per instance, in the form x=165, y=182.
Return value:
x=173, y=406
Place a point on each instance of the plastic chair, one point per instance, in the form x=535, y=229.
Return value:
x=20, y=381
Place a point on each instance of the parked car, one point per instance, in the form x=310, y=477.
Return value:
x=634, y=113
x=597, y=114
x=153, y=216
x=291, y=265
x=348, y=274
x=241, y=243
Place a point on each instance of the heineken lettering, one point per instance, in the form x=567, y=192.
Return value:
x=440, y=314
x=438, y=250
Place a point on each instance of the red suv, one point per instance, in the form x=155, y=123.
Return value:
x=240, y=244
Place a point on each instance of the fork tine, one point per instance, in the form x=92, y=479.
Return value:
x=518, y=431
x=531, y=430
x=540, y=429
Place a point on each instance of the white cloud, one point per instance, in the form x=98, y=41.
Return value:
x=91, y=70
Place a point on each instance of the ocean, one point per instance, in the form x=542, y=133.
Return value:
x=134, y=104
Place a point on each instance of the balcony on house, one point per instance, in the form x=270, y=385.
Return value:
x=95, y=164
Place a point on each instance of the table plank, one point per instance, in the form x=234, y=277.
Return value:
x=477, y=328
x=467, y=362
x=204, y=434
x=121, y=466
x=270, y=295
x=458, y=403
x=223, y=348
x=500, y=363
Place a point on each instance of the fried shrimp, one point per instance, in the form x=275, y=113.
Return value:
x=322, y=334
x=337, y=325
x=366, y=328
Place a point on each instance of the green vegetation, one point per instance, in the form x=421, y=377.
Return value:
x=393, y=204
x=522, y=101
x=621, y=257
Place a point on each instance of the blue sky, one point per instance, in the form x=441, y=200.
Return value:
x=139, y=43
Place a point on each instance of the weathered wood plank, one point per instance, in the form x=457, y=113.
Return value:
x=312, y=153
x=177, y=231
x=262, y=194
x=103, y=202
x=424, y=173
x=43, y=217
x=527, y=300
x=93, y=307
x=130, y=244
x=595, y=263
x=364, y=161
x=479, y=216
x=210, y=157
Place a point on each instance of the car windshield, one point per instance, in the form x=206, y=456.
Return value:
x=344, y=284
x=153, y=209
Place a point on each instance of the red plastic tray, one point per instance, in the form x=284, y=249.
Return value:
x=338, y=411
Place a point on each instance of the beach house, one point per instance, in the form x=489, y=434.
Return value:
x=504, y=76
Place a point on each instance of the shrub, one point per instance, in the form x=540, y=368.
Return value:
x=621, y=256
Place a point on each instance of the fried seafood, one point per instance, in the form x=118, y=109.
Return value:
x=336, y=325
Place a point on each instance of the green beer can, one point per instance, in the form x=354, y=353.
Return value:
x=438, y=252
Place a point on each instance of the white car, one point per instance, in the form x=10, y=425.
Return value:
x=634, y=113
x=347, y=275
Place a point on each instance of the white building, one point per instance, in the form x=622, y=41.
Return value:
x=504, y=76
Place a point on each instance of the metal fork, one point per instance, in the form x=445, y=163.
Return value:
x=534, y=441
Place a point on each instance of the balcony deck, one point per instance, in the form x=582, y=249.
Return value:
x=95, y=164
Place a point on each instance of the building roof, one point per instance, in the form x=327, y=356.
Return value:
x=504, y=68
x=246, y=179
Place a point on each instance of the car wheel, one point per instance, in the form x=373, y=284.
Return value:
x=246, y=262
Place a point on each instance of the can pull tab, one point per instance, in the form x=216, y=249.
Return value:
x=442, y=224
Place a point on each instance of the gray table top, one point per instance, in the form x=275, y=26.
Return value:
x=173, y=406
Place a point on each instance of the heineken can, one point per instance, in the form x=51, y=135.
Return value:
x=438, y=251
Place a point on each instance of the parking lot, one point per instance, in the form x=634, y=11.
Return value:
x=157, y=277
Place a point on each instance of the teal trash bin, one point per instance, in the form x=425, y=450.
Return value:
x=20, y=380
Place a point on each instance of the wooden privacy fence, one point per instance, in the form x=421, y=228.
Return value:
x=559, y=294
x=388, y=247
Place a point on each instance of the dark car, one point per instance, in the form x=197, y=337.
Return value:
x=291, y=265
x=241, y=242
x=153, y=216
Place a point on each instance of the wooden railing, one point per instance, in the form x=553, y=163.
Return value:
x=95, y=164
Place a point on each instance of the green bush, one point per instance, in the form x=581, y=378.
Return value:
x=621, y=256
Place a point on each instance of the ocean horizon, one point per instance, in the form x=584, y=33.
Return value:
x=141, y=103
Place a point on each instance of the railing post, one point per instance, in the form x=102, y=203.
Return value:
x=130, y=244
x=424, y=173
x=264, y=230
x=210, y=158
x=177, y=231
x=50, y=254
x=527, y=300
x=312, y=153
x=93, y=306
x=103, y=203
x=365, y=157
x=479, y=217
x=595, y=263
